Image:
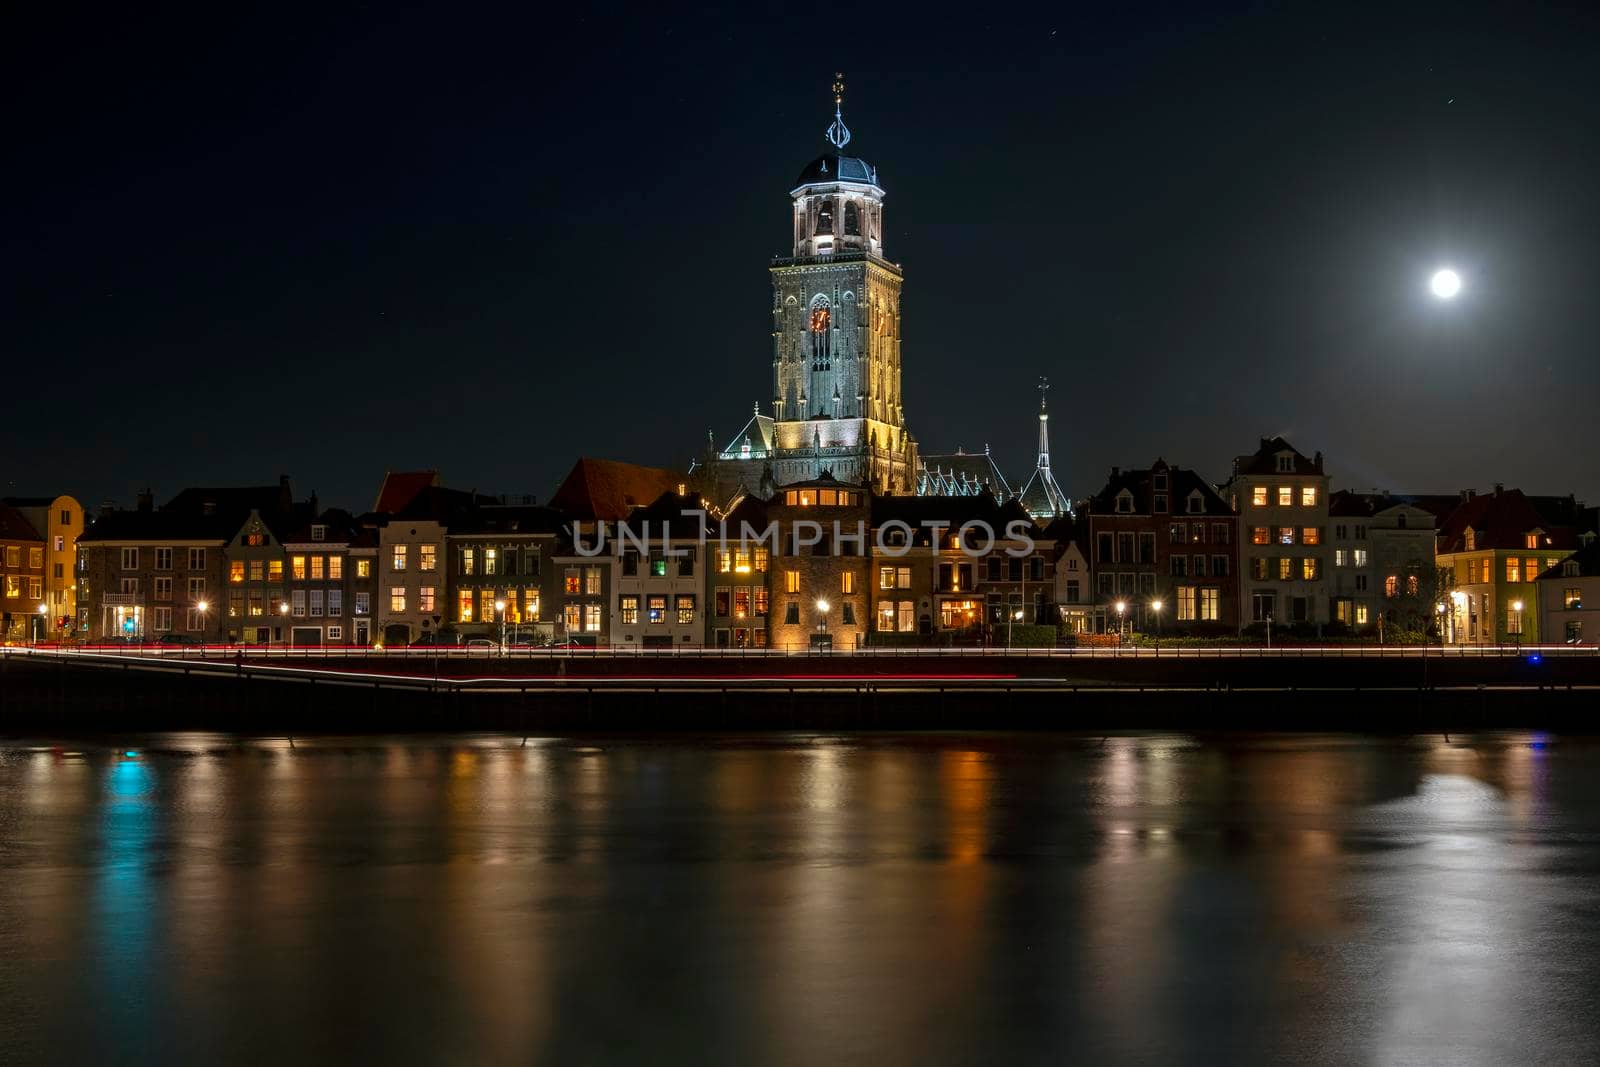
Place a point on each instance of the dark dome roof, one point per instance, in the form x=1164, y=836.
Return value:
x=833, y=167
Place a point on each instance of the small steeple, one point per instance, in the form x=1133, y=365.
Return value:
x=838, y=133
x=1042, y=498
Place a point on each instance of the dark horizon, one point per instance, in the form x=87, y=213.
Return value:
x=332, y=244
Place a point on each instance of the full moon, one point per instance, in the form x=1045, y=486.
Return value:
x=1445, y=284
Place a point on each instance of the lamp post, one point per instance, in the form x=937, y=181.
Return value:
x=1438, y=610
x=1122, y=610
x=202, y=607
x=283, y=612
x=500, y=610
x=39, y=623
x=1516, y=606
x=1458, y=599
x=1013, y=616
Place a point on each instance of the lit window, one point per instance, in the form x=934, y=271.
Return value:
x=1358, y=557
x=1311, y=535
x=886, y=616
x=1341, y=557
x=1361, y=614
x=1285, y=496
x=275, y=570
x=236, y=571
x=1572, y=598
x=1260, y=535
x=1530, y=541
x=685, y=605
x=761, y=602
x=572, y=581
x=827, y=496
x=761, y=558
x=630, y=610
x=1391, y=586
x=491, y=561
x=530, y=605
x=427, y=557
x=397, y=560
x=1286, y=535
x=1186, y=603
x=1308, y=496
x=469, y=561
x=591, y=618
x=572, y=616
x=335, y=568
x=847, y=582
x=397, y=599
x=258, y=570
x=791, y=581
x=1258, y=496
x=885, y=577
x=363, y=568
x=591, y=581
x=1210, y=605
x=1513, y=570
x=1285, y=568
x=425, y=600
x=1309, y=568
x=656, y=607
x=808, y=497
x=658, y=567
x=464, y=606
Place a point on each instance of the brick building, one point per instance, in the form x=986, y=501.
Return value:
x=820, y=565
x=22, y=578
x=1281, y=497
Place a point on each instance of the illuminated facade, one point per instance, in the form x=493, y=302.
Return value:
x=836, y=400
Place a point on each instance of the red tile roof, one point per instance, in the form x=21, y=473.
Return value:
x=607, y=489
x=401, y=488
x=1501, y=519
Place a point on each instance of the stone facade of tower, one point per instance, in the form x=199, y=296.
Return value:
x=836, y=402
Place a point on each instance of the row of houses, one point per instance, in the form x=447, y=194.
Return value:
x=632, y=556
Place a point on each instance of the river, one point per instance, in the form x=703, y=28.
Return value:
x=800, y=899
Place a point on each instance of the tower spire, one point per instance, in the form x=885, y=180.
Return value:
x=838, y=133
x=1044, y=426
x=1042, y=498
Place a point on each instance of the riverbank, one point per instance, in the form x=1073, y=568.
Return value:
x=1398, y=694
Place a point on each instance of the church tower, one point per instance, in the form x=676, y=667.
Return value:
x=836, y=329
x=836, y=402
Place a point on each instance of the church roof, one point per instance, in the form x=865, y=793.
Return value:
x=758, y=430
x=961, y=474
x=1042, y=498
x=832, y=167
x=607, y=489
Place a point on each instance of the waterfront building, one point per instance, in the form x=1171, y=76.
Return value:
x=1491, y=550
x=819, y=564
x=59, y=519
x=836, y=356
x=1568, y=598
x=502, y=580
x=330, y=580
x=658, y=562
x=22, y=578
x=1382, y=563
x=1073, y=590
x=411, y=573
x=1281, y=498
x=1163, y=535
x=738, y=590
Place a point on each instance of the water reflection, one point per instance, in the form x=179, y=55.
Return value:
x=800, y=899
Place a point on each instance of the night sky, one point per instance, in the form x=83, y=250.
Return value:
x=326, y=241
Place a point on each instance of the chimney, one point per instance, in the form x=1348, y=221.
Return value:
x=1317, y=461
x=1499, y=487
x=1115, y=471
x=147, y=500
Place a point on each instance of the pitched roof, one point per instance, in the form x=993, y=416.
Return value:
x=114, y=526
x=509, y=518
x=1501, y=519
x=14, y=526
x=1140, y=483
x=233, y=500
x=1587, y=561
x=961, y=474
x=400, y=488
x=1264, y=460
x=609, y=489
x=758, y=431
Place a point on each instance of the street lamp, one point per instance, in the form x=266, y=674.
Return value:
x=1516, y=606
x=1438, y=609
x=1458, y=600
x=1122, y=609
x=202, y=607
x=1156, y=606
x=500, y=610
x=283, y=610
x=1015, y=616
x=39, y=636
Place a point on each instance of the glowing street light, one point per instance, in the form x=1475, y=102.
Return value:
x=1156, y=606
x=39, y=636
x=500, y=611
x=1445, y=283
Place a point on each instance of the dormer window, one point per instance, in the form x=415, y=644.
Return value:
x=319, y=533
x=1570, y=568
x=1160, y=481
x=1124, y=503
x=1197, y=504
x=1285, y=462
x=1531, y=540
x=1470, y=539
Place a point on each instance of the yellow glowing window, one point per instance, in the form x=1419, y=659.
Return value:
x=1285, y=568
x=791, y=581
x=885, y=577
x=316, y=568
x=847, y=582
x=469, y=561
x=1485, y=572
x=236, y=571
x=808, y=497
x=1308, y=568
x=1530, y=570
x=1513, y=570
x=1311, y=535
x=335, y=567
x=486, y=605
x=1391, y=586
x=762, y=558
x=724, y=560
x=363, y=568
x=741, y=562
x=297, y=568
x=426, y=555
x=397, y=561
x=1285, y=496
x=530, y=605
x=1260, y=535
x=819, y=320
x=791, y=498
x=1531, y=541
x=1308, y=496
x=258, y=570
x=491, y=561
x=275, y=570
x=464, y=606
x=827, y=496
x=573, y=581
x=1258, y=496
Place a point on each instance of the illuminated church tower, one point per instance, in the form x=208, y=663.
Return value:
x=836, y=401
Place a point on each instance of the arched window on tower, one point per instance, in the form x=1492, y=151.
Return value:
x=825, y=218
x=852, y=220
x=821, y=334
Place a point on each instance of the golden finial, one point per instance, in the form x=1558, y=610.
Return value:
x=838, y=133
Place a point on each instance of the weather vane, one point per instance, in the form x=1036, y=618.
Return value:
x=1044, y=386
x=838, y=134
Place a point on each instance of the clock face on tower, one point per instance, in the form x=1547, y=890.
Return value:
x=819, y=320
